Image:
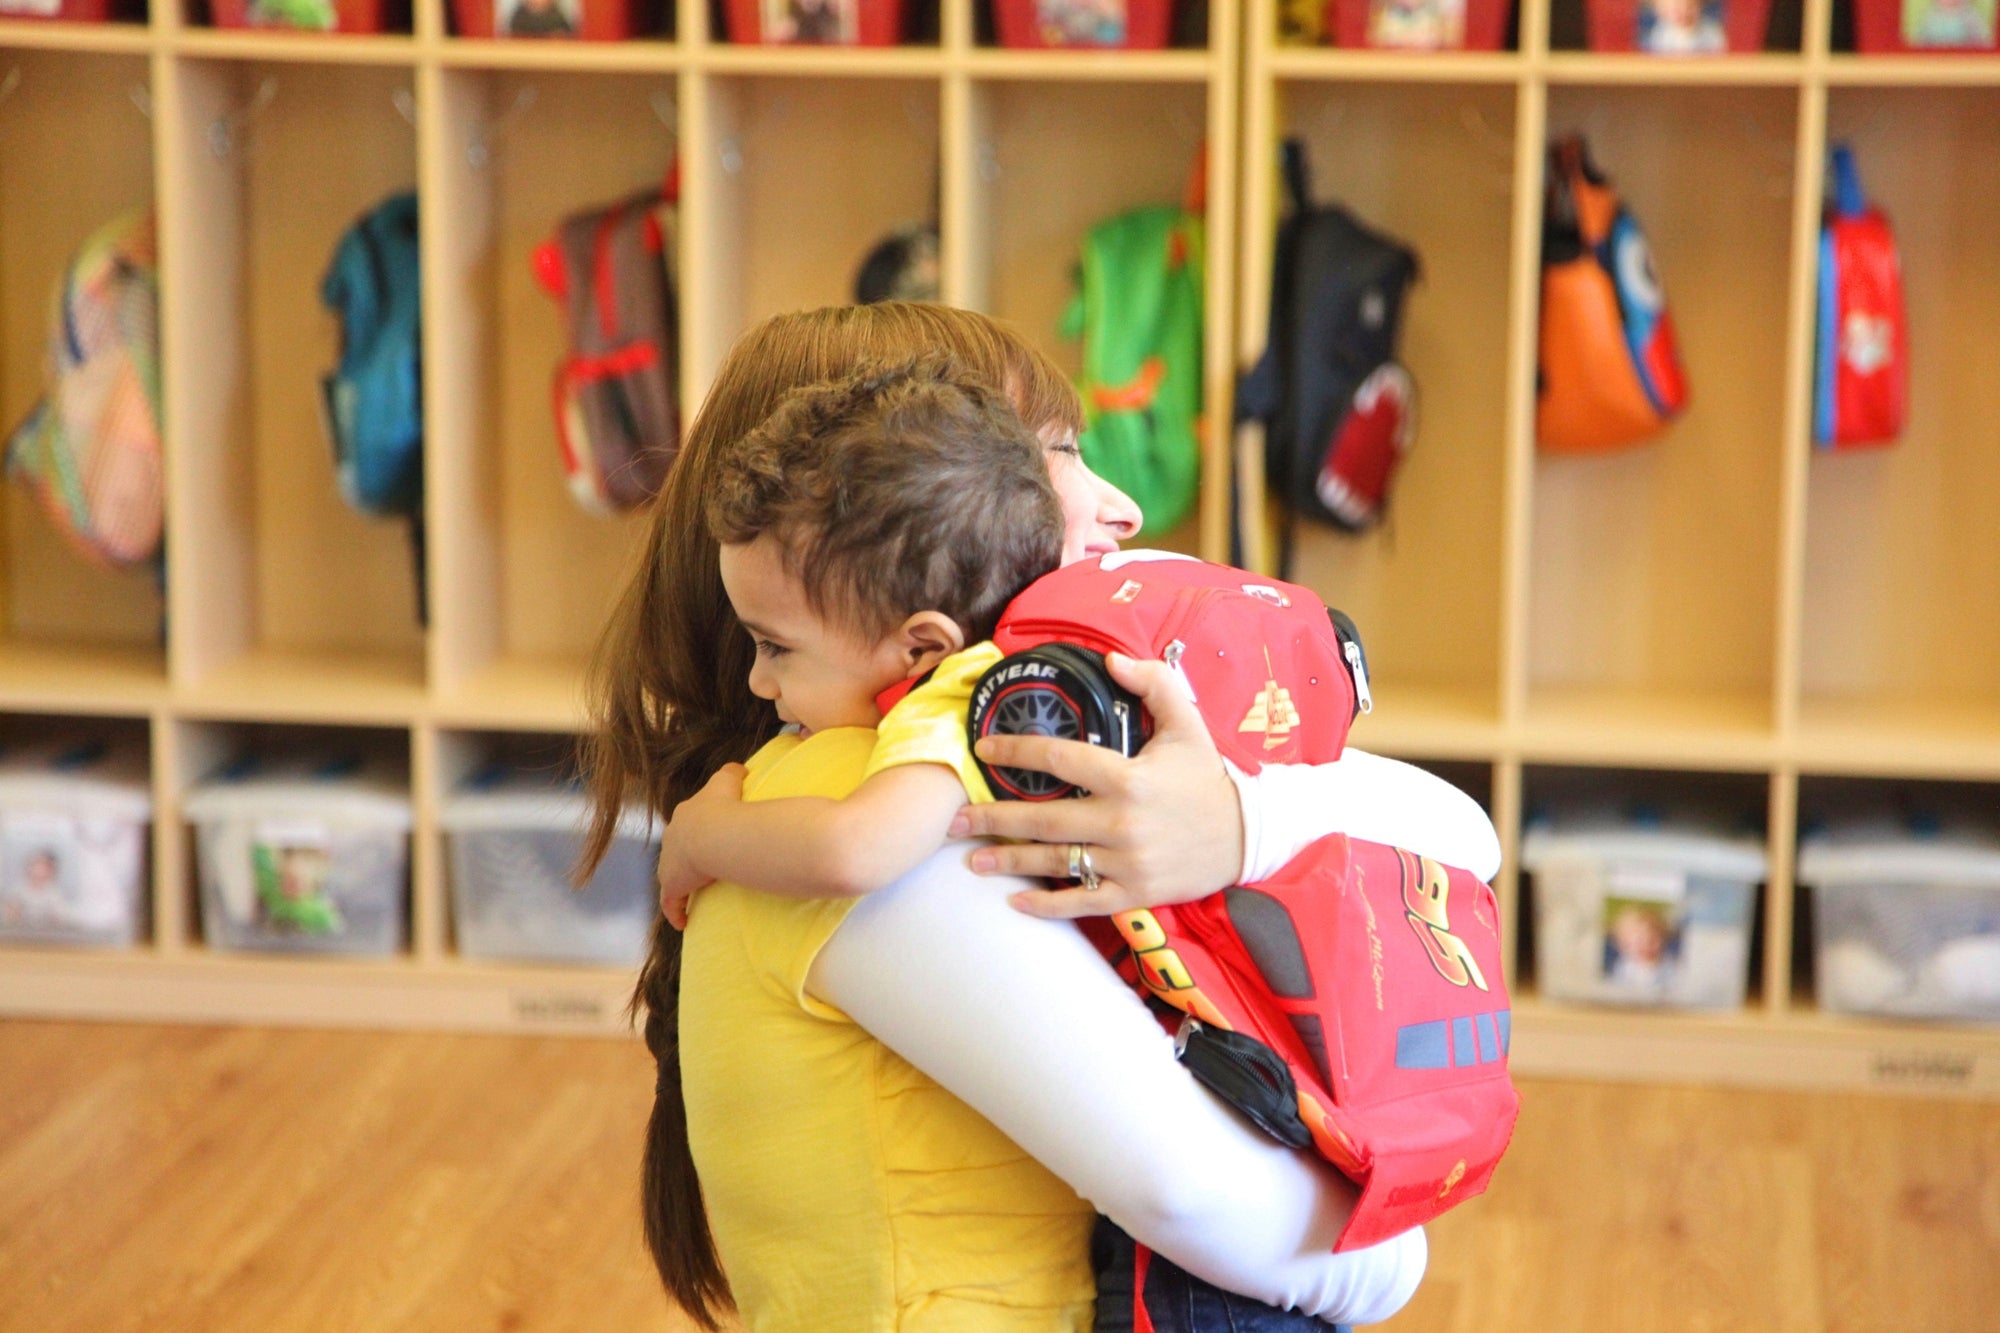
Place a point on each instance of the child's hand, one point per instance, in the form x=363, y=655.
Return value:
x=680, y=873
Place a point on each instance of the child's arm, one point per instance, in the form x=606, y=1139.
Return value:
x=813, y=847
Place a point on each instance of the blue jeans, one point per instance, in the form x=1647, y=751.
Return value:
x=1178, y=1301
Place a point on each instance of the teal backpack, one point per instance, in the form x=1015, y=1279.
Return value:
x=1139, y=313
x=374, y=397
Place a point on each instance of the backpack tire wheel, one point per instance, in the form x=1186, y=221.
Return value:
x=1057, y=690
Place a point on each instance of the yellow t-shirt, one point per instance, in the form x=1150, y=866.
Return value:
x=848, y=1192
x=927, y=725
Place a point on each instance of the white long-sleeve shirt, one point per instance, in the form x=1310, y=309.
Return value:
x=1021, y=1019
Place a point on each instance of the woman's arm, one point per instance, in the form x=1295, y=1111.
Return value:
x=1167, y=826
x=1023, y=1021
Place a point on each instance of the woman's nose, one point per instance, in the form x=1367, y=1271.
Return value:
x=1116, y=512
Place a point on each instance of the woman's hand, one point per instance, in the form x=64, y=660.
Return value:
x=678, y=875
x=1164, y=827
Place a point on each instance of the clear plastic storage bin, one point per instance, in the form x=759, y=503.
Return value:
x=1630, y=914
x=303, y=857
x=73, y=825
x=513, y=841
x=1905, y=923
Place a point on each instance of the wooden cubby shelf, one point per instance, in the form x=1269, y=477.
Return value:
x=1723, y=608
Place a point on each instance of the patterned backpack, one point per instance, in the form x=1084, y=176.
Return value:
x=617, y=402
x=1352, y=1004
x=373, y=399
x=90, y=449
x=1139, y=312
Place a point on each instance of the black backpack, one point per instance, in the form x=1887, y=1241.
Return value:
x=1337, y=408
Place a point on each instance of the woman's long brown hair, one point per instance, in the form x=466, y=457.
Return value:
x=669, y=683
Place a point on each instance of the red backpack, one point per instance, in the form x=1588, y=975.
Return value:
x=1353, y=1003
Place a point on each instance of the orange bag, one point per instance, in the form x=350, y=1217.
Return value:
x=1610, y=367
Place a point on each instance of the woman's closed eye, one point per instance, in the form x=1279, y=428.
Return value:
x=767, y=649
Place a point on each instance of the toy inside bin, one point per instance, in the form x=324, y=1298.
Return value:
x=512, y=841
x=1925, y=27
x=303, y=857
x=587, y=20
x=313, y=15
x=815, y=22
x=1637, y=914
x=1677, y=27
x=1906, y=922
x=73, y=825
x=1100, y=24
x=1419, y=25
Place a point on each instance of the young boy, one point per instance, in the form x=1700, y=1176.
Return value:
x=870, y=531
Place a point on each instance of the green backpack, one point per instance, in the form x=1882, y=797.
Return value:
x=1139, y=313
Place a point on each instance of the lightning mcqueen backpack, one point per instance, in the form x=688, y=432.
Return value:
x=1353, y=1003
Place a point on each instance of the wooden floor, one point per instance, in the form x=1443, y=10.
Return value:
x=214, y=1179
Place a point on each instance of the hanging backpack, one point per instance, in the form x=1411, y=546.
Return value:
x=89, y=451
x=1861, y=371
x=1138, y=309
x=617, y=403
x=1610, y=367
x=1338, y=409
x=373, y=399
x=1353, y=1004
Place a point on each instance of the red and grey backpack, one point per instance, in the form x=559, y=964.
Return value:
x=617, y=400
x=1353, y=1003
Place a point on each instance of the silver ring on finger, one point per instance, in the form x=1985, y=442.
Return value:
x=1076, y=855
x=1092, y=881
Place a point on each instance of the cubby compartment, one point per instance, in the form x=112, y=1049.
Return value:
x=785, y=226
x=286, y=599
x=76, y=810
x=1424, y=585
x=91, y=632
x=512, y=813
x=525, y=574
x=298, y=837
x=1049, y=161
x=1900, y=631
x=1898, y=898
x=1643, y=888
x=1654, y=570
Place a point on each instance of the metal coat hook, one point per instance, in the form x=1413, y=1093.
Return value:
x=1500, y=146
x=666, y=110
x=141, y=98
x=729, y=153
x=10, y=82
x=986, y=159
x=226, y=129
x=479, y=143
x=405, y=102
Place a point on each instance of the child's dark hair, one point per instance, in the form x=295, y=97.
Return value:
x=906, y=486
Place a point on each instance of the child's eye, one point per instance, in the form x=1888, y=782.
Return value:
x=1066, y=447
x=765, y=648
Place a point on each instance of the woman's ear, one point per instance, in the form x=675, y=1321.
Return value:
x=927, y=638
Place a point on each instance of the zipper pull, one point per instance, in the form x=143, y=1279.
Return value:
x=1349, y=639
x=1172, y=655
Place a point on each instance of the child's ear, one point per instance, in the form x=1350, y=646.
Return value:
x=927, y=638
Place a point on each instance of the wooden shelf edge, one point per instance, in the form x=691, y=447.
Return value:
x=1170, y=66
x=1586, y=67
x=1807, y=1053
x=297, y=47
x=58, y=35
x=1330, y=63
x=1939, y=71
x=642, y=55
x=293, y=991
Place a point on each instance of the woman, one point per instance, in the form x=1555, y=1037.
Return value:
x=912, y=966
